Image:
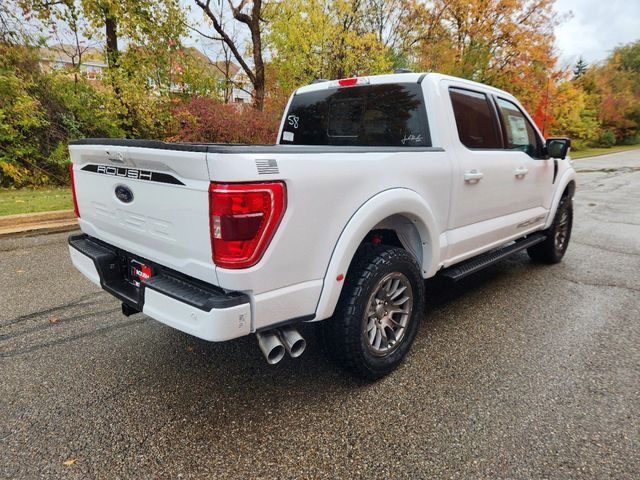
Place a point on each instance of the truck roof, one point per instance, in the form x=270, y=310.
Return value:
x=410, y=77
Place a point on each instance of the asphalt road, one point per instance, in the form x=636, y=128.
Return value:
x=522, y=371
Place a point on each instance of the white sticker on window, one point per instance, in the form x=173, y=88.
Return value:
x=287, y=136
x=518, y=127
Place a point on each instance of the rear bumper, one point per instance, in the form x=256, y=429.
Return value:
x=181, y=302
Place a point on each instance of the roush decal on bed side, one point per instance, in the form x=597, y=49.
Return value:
x=132, y=173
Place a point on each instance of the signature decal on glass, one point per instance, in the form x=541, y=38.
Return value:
x=411, y=138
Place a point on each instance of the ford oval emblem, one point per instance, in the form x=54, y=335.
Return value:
x=124, y=194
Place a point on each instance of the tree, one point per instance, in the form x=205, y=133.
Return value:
x=251, y=16
x=309, y=40
x=13, y=29
x=508, y=43
x=616, y=85
x=579, y=69
x=65, y=22
x=574, y=115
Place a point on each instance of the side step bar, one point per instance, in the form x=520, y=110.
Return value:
x=461, y=270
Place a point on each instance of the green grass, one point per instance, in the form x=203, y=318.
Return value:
x=30, y=200
x=590, y=152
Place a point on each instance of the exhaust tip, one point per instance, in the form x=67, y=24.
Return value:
x=297, y=348
x=292, y=340
x=271, y=346
x=275, y=355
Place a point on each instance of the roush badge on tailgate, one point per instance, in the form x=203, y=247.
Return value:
x=132, y=173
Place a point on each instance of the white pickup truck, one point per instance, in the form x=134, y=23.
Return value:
x=375, y=184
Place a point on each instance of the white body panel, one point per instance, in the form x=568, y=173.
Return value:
x=334, y=198
x=166, y=223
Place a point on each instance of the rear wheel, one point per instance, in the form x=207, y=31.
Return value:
x=558, y=235
x=378, y=314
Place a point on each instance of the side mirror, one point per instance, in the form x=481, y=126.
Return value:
x=558, y=147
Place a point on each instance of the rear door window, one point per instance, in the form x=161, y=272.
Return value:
x=475, y=119
x=369, y=115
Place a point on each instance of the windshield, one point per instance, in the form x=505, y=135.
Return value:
x=371, y=115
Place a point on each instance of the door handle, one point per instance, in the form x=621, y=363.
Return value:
x=520, y=172
x=473, y=176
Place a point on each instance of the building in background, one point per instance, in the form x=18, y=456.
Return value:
x=64, y=56
x=234, y=84
x=236, y=87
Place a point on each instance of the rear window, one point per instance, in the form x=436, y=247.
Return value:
x=474, y=118
x=370, y=115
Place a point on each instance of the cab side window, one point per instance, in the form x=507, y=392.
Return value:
x=518, y=132
x=477, y=126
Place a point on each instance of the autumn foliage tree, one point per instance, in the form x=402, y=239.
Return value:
x=311, y=40
x=616, y=83
x=505, y=43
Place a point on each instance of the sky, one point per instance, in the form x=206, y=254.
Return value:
x=595, y=28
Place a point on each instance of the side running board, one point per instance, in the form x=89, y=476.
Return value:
x=461, y=270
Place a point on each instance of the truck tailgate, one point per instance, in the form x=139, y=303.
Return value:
x=147, y=201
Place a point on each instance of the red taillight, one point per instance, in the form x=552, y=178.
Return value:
x=243, y=219
x=73, y=192
x=348, y=82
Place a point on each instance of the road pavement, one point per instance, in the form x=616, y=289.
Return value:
x=521, y=371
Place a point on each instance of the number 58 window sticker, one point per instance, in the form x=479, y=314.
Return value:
x=293, y=120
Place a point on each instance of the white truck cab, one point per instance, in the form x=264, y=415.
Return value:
x=375, y=184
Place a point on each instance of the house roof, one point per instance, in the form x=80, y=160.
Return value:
x=217, y=68
x=63, y=53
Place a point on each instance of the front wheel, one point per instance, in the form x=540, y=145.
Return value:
x=378, y=314
x=558, y=235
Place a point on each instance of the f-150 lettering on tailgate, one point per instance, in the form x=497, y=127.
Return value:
x=136, y=221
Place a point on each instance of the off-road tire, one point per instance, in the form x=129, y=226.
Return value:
x=343, y=335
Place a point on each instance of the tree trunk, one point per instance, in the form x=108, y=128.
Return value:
x=256, y=74
x=111, y=32
x=259, y=83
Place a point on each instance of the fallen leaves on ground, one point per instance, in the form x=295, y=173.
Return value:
x=69, y=462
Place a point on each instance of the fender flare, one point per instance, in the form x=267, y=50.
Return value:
x=568, y=177
x=396, y=201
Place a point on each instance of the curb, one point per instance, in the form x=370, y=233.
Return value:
x=28, y=218
x=28, y=224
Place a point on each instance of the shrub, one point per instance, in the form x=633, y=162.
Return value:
x=607, y=139
x=203, y=119
x=631, y=140
x=39, y=113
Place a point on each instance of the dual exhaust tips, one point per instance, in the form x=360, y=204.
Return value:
x=274, y=343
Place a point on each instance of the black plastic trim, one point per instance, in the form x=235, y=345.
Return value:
x=421, y=78
x=291, y=321
x=479, y=262
x=302, y=149
x=112, y=266
x=193, y=294
x=127, y=142
x=228, y=148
